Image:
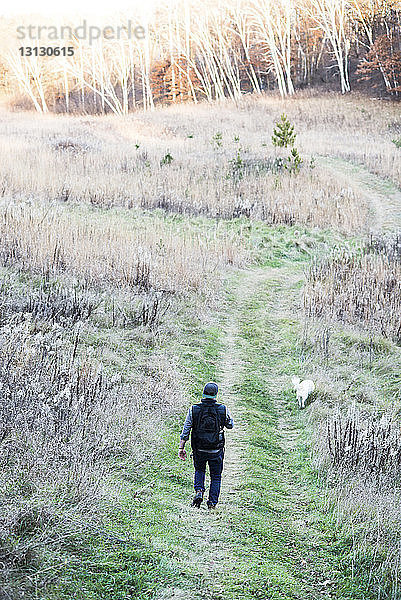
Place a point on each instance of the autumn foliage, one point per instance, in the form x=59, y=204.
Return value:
x=195, y=51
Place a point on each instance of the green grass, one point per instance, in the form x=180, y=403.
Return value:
x=305, y=557
x=278, y=540
x=382, y=185
x=150, y=502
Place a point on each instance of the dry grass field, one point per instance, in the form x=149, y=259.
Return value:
x=121, y=240
x=119, y=249
x=361, y=288
x=181, y=160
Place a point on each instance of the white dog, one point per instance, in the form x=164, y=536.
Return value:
x=303, y=389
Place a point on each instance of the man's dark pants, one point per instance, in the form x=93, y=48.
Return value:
x=215, y=461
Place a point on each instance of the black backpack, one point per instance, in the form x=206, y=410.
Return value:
x=207, y=425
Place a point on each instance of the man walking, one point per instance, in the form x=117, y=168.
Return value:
x=207, y=421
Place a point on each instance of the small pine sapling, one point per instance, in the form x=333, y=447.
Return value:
x=237, y=165
x=217, y=140
x=294, y=161
x=167, y=159
x=283, y=137
x=283, y=133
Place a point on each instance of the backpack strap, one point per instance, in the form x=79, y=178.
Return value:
x=220, y=414
x=196, y=410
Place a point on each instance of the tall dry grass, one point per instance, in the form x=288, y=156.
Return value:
x=354, y=128
x=184, y=161
x=114, y=248
x=362, y=442
x=65, y=422
x=367, y=514
x=352, y=301
x=359, y=452
x=84, y=294
x=359, y=287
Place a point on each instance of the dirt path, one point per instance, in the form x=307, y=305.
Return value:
x=282, y=285
x=231, y=369
x=212, y=544
x=382, y=196
x=269, y=510
x=269, y=537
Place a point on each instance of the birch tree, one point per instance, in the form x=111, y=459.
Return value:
x=331, y=17
x=272, y=23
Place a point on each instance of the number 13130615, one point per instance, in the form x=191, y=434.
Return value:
x=46, y=51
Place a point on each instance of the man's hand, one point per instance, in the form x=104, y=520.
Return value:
x=182, y=454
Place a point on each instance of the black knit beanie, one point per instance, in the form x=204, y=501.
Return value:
x=210, y=390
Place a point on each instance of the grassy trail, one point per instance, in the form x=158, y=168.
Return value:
x=271, y=537
x=383, y=197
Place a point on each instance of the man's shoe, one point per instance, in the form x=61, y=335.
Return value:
x=211, y=506
x=197, y=501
